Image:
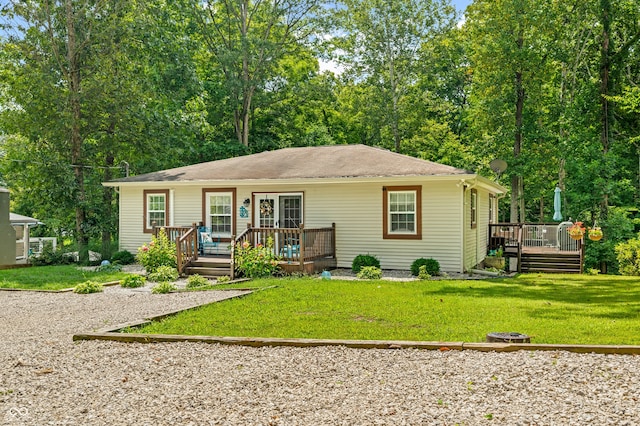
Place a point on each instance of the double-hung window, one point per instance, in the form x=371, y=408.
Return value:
x=402, y=211
x=219, y=208
x=156, y=209
x=474, y=208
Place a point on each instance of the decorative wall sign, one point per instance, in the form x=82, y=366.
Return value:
x=244, y=213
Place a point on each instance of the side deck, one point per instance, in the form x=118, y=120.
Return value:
x=538, y=247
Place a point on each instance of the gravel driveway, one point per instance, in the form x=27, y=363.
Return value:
x=46, y=379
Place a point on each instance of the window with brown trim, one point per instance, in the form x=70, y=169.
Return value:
x=402, y=212
x=156, y=208
x=474, y=208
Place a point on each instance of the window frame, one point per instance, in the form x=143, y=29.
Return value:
x=473, y=208
x=206, y=192
x=492, y=208
x=146, y=223
x=387, y=234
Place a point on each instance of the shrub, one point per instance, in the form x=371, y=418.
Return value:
x=628, y=254
x=363, y=260
x=423, y=274
x=88, y=287
x=164, y=273
x=133, y=281
x=109, y=267
x=617, y=228
x=256, y=262
x=123, y=257
x=163, y=287
x=49, y=256
x=223, y=279
x=160, y=252
x=196, y=280
x=432, y=266
x=369, y=273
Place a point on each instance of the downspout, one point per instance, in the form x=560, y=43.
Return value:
x=466, y=186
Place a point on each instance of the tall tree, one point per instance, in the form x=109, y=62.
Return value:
x=381, y=46
x=246, y=39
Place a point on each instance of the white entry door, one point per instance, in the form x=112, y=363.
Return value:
x=279, y=210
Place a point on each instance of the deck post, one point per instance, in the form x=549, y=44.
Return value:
x=301, y=244
x=232, y=271
x=333, y=241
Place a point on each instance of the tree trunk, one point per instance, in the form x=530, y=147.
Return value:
x=107, y=209
x=517, y=184
x=73, y=63
x=605, y=89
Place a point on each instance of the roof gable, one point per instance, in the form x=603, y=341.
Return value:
x=333, y=161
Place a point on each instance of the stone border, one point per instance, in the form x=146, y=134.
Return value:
x=115, y=334
x=63, y=290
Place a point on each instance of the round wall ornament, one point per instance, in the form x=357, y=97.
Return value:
x=266, y=208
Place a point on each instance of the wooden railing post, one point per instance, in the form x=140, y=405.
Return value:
x=333, y=240
x=301, y=244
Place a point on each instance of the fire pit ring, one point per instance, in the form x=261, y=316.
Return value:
x=508, y=338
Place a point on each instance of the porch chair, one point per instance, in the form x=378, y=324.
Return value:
x=207, y=242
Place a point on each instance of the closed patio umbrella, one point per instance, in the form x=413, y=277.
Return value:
x=557, y=205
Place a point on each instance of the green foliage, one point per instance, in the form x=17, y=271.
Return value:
x=628, y=255
x=88, y=287
x=133, y=281
x=109, y=267
x=194, y=281
x=423, y=274
x=432, y=266
x=256, y=262
x=123, y=257
x=160, y=252
x=369, y=273
x=363, y=260
x=223, y=279
x=617, y=228
x=49, y=256
x=163, y=287
x=164, y=273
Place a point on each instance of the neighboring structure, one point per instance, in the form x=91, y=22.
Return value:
x=7, y=233
x=25, y=245
x=395, y=207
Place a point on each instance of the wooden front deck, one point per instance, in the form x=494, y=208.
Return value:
x=303, y=250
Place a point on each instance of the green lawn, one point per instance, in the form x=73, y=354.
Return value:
x=52, y=277
x=570, y=309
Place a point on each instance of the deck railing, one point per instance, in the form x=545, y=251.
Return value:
x=292, y=245
x=531, y=235
x=186, y=239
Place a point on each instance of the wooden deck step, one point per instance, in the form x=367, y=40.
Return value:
x=551, y=263
x=209, y=267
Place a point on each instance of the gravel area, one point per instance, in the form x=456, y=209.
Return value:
x=46, y=379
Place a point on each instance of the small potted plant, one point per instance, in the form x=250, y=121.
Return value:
x=495, y=259
x=595, y=233
x=576, y=231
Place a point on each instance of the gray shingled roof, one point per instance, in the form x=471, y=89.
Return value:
x=334, y=161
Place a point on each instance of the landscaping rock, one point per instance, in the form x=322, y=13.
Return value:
x=46, y=379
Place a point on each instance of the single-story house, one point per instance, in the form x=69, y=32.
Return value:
x=393, y=206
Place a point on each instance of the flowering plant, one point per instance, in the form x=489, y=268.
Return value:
x=256, y=262
x=576, y=231
x=595, y=233
x=159, y=252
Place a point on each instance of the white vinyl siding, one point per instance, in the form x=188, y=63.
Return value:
x=356, y=209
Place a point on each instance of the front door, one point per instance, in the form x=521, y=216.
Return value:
x=283, y=210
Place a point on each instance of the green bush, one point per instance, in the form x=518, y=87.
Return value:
x=164, y=273
x=223, y=279
x=369, y=273
x=196, y=280
x=362, y=260
x=432, y=266
x=49, y=256
x=163, y=287
x=160, y=252
x=256, y=262
x=109, y=267
x=133, y=281
x=628, y=254
x=617, y=228
x=423, y=274
x=123, y=257
x=88, y=287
